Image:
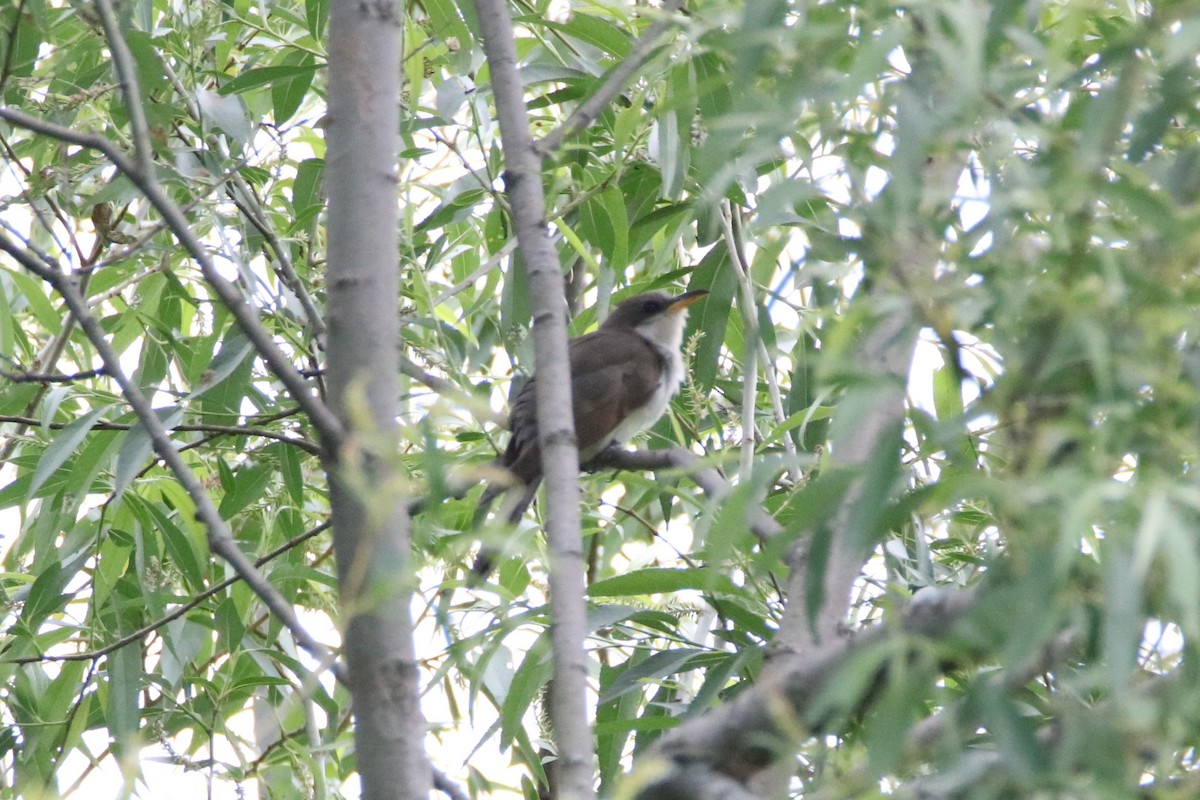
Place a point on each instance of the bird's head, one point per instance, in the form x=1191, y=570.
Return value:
x=655, y=315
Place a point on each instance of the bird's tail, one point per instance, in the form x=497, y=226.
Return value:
x=512, y=511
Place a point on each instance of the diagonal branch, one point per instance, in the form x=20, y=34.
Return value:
x=748, y=735
x=327, y=425
x=48, y=377
x=223, y=430
x=127, y=79
x=589, y=110
x=140, y=633
x=220, y=538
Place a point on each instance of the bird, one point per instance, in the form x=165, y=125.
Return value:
x=623, y=375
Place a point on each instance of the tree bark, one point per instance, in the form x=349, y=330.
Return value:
x=868, y=425
x=371, y=535
x=556, y=425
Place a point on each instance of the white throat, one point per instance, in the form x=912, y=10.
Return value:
x=665, y=332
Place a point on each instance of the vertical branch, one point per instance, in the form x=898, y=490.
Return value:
x=556, y=428
x=870, y=419
x=734, y=233
x=750, y=326
x=371, y=532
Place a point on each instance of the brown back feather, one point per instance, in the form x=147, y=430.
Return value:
x=613, y=373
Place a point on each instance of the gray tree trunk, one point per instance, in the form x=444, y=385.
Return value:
x=371, y=534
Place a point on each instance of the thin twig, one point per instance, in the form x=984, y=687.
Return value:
x=704, y=475
x=36, y=208
x=45, y=377
x=327, y=425
x=137, y=635
x=749, y=307
x=449, y=389
x=765, y=361
x=253, y=211
x=589, y=110
x=220, y=538
x=230, y=430
x=483, y=270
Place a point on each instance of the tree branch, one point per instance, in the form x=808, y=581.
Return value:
x=443, y=784
x=220, y=539
x=556, y=428
x=372, y=534
x=745, y=737
x=867, y=427
x=327, y=426
x=749, y=308
x=589, y=110
x=127, y=80
x=230, y=430
x=449, y=389
x=137, y=635
x=40, y=377
x=927, y=734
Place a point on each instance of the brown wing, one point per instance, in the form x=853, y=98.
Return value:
x=612, y=374
x=522, y=456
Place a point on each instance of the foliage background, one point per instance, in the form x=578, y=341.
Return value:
x=1047, y=455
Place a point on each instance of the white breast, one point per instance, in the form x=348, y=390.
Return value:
x=665, y=333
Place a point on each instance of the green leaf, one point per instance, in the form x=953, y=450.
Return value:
x=527, y=683
x=947, y=392
x=235, y=348
x=227, y=113
x=675, y=129
x=293, y=476
x=660, y=581
x=316, y=16
x=715, y=274
x=307, y=201
x=614, y=207
x=272, y=76
x=248, y=485
x=45, y=595
x=34, y=292
x=288, y=93
x=655, y=667
x=596, y=32
x=452, y=209
x=19, y=49
x=122, y=713
x=230, y=628
x=137, y=446
x=63, y=446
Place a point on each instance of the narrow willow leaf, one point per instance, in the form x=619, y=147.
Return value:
x=62, y=447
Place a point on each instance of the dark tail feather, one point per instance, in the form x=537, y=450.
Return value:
x=486, y=560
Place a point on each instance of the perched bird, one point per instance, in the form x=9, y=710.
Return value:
x=622, y=377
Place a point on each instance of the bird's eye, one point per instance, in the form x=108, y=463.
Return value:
x=650, y=306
